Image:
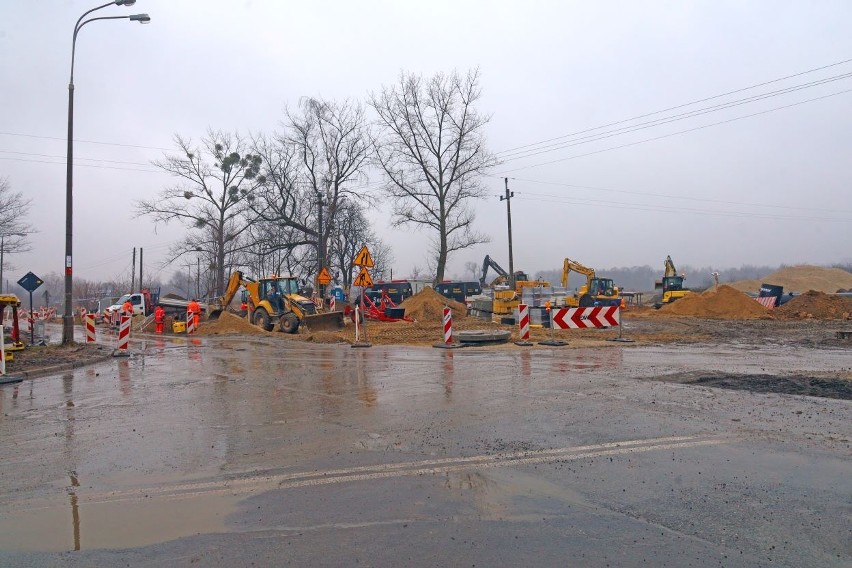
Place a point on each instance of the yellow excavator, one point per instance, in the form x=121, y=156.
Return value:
x=505, y=301
x=596, y=291
x=275, y=301
x=671, y=285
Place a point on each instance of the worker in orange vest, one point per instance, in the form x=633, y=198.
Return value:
x=194, y=308
x=127, y=309
x=159, y=317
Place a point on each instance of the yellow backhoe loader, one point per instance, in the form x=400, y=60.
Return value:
x=596, y=291
x=275, y=301
x=671, y=285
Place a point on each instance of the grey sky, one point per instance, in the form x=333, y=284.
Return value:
x=775, y=186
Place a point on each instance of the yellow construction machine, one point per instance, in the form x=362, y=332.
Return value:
x=671, y=285
x=595, y=292
x=506, y=299
x=275, y=301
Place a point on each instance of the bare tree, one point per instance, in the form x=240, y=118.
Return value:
x=432, y=152
x=14, y=227
x=351, y=232
x=216, y=183
x=310, y=168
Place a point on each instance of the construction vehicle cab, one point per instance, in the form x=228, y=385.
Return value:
x=595, y=292
x=275, y=301
x=671, y=285
x=13, y=343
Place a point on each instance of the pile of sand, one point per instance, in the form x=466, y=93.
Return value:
x=722, y=303
x=428, y=305
x=801, y=279
x=817, y=305
x=229, y=323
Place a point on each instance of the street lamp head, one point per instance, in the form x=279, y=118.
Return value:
x=125, y=2
x=141, y=18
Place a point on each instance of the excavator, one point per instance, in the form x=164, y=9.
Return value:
x=506, y=300
x=275, y=301
x=671, y=285
x=596, y=291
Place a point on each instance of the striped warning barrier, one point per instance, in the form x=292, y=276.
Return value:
x=524, y=322
x=767, y=302
x=448, y=326
x=190, y=323
x=332, y=304
x=580, y=318
x=89, y=319
x=124, y=333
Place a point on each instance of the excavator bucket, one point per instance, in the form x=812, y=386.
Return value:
x=329, y=321
x=214, y=313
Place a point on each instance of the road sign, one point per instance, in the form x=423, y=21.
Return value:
x=363, y=279
x=364, y=258
x=30, y=282
x=579, y=318
x=324, y=277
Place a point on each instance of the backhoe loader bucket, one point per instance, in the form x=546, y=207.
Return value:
x=329, y=321
x=214, y=313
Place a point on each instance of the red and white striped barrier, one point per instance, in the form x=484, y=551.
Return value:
x=580, y=318
x=331, y=304
x=524, y=322
x=89, y=320
x=768, y=302
x=190, y=323
x=124, y=333
x=448, y=326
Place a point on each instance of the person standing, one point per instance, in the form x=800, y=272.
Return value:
x=194, y=308
x=159, y=318
x=127, y=308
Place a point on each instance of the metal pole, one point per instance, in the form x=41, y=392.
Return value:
x=2, y=246
x=67, y=315
x=198, y=277
x=508, y=198
x=133, y=273
x=140, y=269
x=320, y=246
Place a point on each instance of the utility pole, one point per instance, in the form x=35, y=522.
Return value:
x=197, y=277
x=133, y=273
x=140, y=269
x=508, y=198
x=320, y=245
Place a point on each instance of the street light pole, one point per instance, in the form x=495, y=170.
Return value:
x=68, y=315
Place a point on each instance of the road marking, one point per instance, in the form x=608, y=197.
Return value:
x=388, y=470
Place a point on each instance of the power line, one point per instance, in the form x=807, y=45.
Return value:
x=501, y=174
x=670, y=119
x=667, y=196
x=79, y=165
x=19, y=134
x=669, y=209
x=75, y=158
x=675, y=107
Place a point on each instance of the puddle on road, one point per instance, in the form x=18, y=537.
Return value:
x=79, y=525
x=805, y=386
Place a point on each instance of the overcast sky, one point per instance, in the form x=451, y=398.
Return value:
x=767, y=189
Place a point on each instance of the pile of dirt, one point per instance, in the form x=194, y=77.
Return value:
x=229, y=323
x=428, y=305
x=722, y=303
x=801, y=279
x=816, y=305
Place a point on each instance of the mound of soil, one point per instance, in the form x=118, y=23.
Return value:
x=801, y=279
x=722, y=303
x=428, y=305
x=816, y=305
x=229, y=323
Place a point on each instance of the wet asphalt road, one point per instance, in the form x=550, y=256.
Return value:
x=239, y=452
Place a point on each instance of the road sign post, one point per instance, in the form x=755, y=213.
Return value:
x=30, y=282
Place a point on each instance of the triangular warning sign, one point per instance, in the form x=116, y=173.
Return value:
x=324, y=277
x=363, y=279
x=364, y=258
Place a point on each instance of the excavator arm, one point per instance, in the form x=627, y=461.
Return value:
x=572, y=265
x=234, y=283
x=670, y=267
x=487, y=263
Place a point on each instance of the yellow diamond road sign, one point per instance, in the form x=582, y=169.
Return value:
x=364, y=258
x=324, y=277
x=363, y=279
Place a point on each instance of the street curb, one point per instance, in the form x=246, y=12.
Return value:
x=42, y=371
